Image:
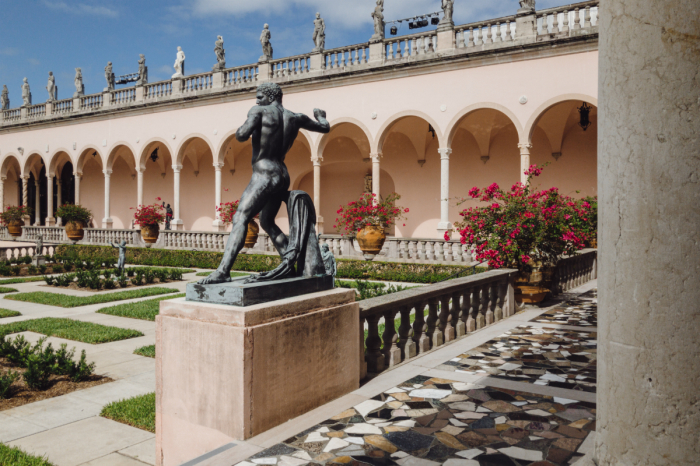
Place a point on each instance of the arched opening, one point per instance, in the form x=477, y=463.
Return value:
x=197, y=184
x=89, y=183
x=37, y=190
x=62, y=169
x=122, y=195
x=155, y=163
x=11, y=173
x=557, y=137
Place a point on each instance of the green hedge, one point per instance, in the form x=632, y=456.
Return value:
x=353, y=269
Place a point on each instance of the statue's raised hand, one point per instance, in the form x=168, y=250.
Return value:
x=319, y=114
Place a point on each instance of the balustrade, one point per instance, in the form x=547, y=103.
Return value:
x=573, y=271
x=10, y=253
x=63, y=106
x=346, y=57
x=156, y=90
x=91, y=102
x=36, y=111
x=49, y=234
x=198, y=82
x=240, y=75
x=123, y=96
x=12, y=115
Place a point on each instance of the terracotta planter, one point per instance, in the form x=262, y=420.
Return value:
x=371, y=239
x=149, y=233
x=75, y=230
x=530, y=294
x=252, y=236
x=532, y=286
x=15, y=228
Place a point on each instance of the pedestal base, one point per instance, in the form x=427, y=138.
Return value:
x=226, y=373
x=38, y=261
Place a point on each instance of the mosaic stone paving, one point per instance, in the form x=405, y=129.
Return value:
x=434, y=422
x=543, y=356
x=579, y=312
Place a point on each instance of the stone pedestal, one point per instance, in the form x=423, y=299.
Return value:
x=525, y=25
x=446, y=41
x=226, y=373
x=38, y=261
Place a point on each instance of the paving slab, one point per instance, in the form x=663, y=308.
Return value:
x=55, y=412
x=114, y=459
x=130, y=368
x=144, y=451
x=82, y=441
x=110, y=392
x=12, y=428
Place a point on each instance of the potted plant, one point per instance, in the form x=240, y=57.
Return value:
x=226, y=212
x=149, y=218
x=525, y=229
x=13, y=218
x=76, y=218
x=368, y=218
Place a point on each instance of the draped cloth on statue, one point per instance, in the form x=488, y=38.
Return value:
x=302, y=235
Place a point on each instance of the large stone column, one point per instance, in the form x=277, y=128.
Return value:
x=524, y=161
x=177, y=223
x=50, y=220
x=317, y=194
x=2, y=193
x=59, y=198
x=139, y=187
x=649, y=180
x=444, y=224
x=78, y=176
x=37, y=202
x=376, y=173
x=107, y=220
x=218, y=224
x=25, y=197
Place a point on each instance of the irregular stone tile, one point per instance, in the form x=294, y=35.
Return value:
x=380, y=442
x=470, y=454
x=413, y=461
x=449, y=440
x=426, y=430
x=575, y=414
x=335, y=444
x=395, y=429
x=302, y=455
x=468, y=415
x=276, y=450
x=399, y=454
x=580, y=424
x=335, y=434
x=538, y=412
x=522, y=454
x=363, y=428
x=570, y=444
x=439, y=423
x=409, y=441
x=559, y=456
x=315, y=437
x=430, y=393
x=342, y=460
x=472, y=439
x=454, y=398
x=324, y=457
x=265, y=461
x=291, y=461
x=452, y=430
x=463, y=406
x=571, y=432
x=368, y=406
x=355, y=440
x=401, y=396
x=347, y=413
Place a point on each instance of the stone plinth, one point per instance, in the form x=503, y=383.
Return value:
x=38, y=261
x=226, y=373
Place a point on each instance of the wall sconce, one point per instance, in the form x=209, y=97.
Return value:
x=431, y=130
x=584, y=114
x=485, y=158
x=154, y=155
x=556, y=155
x=421, y=163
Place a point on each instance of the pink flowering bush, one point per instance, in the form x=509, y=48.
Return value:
x=523, y=225
x=227, y=210
x=367, y=211
x=149, y=214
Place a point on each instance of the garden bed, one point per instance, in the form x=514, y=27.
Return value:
x=139, y=412
x=146, y=351
x=143, y=310
x=111, y=279
x=62, y=300
x=4, y=313
x=69, y=329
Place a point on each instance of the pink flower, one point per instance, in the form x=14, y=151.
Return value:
x=525, y=258
x=447, y=236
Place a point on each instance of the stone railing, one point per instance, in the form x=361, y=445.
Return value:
x=573, y=271
x=553, y=25
x=62, y=106
x=99, y=236
x=15, y=252
x=50, y=234
x=455, y=308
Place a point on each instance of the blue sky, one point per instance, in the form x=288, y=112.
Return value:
x=59, y=35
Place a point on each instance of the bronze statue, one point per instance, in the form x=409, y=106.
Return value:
x=274, y=130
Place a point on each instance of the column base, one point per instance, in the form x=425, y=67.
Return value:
x=107, y=223
x=443, y=227
x=50, y=221
x=218, y=225
x=177, y=224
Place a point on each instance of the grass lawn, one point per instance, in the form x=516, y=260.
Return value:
x=10, y=281
x=62, y=300
x=139, y=411
x=8, y=313
x=7, y=289
x=16, y=457
x=75, y=330
x=144, y=310
x=233, y=274
x=148, y=351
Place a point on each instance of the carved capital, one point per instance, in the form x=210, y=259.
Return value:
x=317, y=161
x=376, y=157
x=177, y=168
x=107, y=172
x=445, y=154
x=524, y=147
x=218, y=166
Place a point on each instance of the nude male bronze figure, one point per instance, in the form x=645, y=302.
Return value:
x=274, y=130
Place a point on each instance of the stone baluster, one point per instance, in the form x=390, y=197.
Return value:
x=577, y=19
x=374, y=357
x=445, y=325
x=455, y=310
x=434, y=334
x=489, y=34
x=465, y=317
x=429, y=250
x=420, y=337
x=336, y=247
x=402, y=250
x=483, y=304
x=388, y=337
x=365, y=55
x=412, y=254
x=460, y=39
x=509, y=31
x=471, y=37
x=565, y=23
x=492, y=294
x=545, y=28
x=408, y=346
x=420, y=254
x=587, y=17
x=335, y=60
x=439, y=253
x=501, y=290
x=499, y=33
x=555, y=23
x=447, y=251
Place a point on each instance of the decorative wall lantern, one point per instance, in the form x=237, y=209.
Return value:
x=584, y=113
x=431, y=130
x=154, y=155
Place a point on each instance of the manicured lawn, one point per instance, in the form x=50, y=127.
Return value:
x=85, y=332
x=62, y=300
x=233, y=274
x=16, y=457
x=144, y=310
x=10, y=281
x=8, y=313
x=148, y=351
x=7, y=289
x=139, y=411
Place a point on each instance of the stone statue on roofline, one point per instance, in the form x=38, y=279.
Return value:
x=220, y=54
x=5, y=98
x=143, y=71
x=448, y=7
x=319, y=36
x=179, y=64
x=378, y=17
x=109, y=77
x=51, y=88
x=527, y=6
x=265, y=37
x=26, y=94
x=78, y=81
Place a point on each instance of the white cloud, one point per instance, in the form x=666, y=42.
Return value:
x=9, y=51
x=34, y=61
x=81, y=8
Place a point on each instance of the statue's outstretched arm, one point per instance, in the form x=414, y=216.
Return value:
x=319, y=126
x=253, y=121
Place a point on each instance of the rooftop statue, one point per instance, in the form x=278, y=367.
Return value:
x=378, y=17
x=51, y=87
x=5, y=98
x=220, y=54
x=143, y=71
x=26, y=94
x=274, y=130
x=78, y=81
x=526, y=6
x=448, y=7
x=319, y=37
x=265, y=37
x=109, y=76
x=179, y=64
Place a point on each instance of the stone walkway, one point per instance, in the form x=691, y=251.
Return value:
x=380, y=423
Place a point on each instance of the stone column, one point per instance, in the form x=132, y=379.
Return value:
x=177, y=223
x=37, y=202
x=218, y=224
x=648, y=177
x=59, y=198
x=376, y=173
x=317, y=194
x=139, y=187
x=50, y=221
x=25, y=197
x=2, y=192
x=78, y=176
x=524, y=160
x=107, y=220
x=444, y=224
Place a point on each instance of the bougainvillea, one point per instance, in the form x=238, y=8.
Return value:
x=13, y=213
x=525, y=225
x=227, y=210
x=368, y=211
x=149, y=214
